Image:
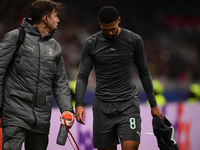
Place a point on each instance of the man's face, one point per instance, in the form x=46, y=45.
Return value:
x=53, y=21
x=110, y=29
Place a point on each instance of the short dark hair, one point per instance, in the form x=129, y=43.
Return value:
x=108, y=14
x=40, y=8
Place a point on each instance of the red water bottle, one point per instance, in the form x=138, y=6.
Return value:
x=63, y=132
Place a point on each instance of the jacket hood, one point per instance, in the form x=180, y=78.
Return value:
x=27, y=23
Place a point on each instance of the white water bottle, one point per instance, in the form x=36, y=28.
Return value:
x=63, y=132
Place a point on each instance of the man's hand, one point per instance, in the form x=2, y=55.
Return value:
x=155, y=111
x=80, y=114
x=71, y=114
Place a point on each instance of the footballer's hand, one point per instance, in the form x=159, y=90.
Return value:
x=80, y=114
x=155, y=111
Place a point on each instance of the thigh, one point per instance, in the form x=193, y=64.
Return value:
x=129, y=123
x=36, y=141
x=13, y=137
x=130, y=145
x=104, y=127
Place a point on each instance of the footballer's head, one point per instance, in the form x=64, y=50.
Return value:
x=109, y=20
x=108, y=14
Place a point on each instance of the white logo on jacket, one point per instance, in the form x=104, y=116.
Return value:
x=50, y=52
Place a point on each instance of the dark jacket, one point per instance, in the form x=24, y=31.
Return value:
x=164, y=132
x=38, y=70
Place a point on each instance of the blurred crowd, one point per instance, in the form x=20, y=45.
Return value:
x=170, y=30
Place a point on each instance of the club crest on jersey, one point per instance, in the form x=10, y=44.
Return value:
x=50, y=52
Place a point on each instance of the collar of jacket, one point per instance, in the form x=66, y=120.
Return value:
x=27, y=23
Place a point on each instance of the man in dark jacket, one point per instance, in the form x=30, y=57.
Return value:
x=38, y=70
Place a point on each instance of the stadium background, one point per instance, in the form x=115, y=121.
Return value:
x=170, y=30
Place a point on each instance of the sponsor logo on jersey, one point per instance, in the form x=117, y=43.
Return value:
x=113, y=49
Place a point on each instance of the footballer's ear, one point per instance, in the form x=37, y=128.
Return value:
x=99, y=21
x=119, y=20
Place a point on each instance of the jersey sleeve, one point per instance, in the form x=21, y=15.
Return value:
x=143, y=70
x=85, y=66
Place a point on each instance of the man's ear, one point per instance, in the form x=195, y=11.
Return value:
x=44, y=18
x=99, y=21
x=119, y=20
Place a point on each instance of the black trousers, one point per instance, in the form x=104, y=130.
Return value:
x=14, y=137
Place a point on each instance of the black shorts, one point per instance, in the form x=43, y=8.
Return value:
x=115, y=120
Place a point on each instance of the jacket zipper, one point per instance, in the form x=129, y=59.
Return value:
x=36, y=96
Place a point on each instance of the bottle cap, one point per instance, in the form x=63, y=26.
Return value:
x=67, y=116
